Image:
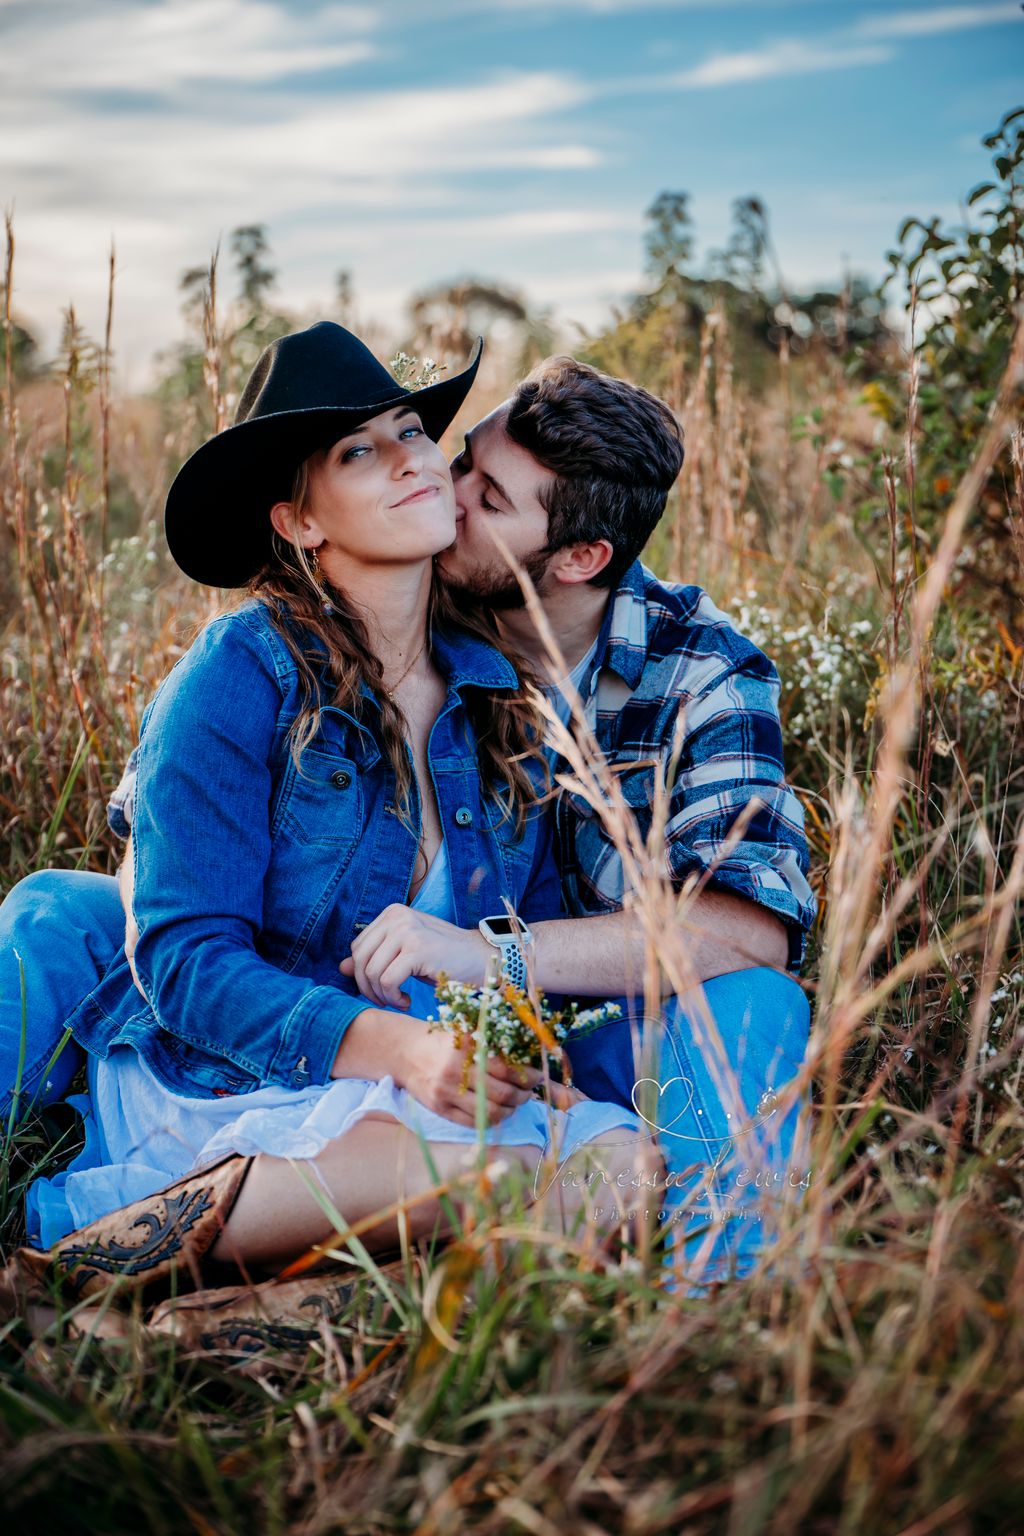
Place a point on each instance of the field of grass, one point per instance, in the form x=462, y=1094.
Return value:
x=869, y=1379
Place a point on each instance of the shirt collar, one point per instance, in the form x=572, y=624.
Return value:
x=468, y=661
x=622, y=642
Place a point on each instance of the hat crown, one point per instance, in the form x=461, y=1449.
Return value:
x=323, y=367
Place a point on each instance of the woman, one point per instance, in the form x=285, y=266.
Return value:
x=342, y=741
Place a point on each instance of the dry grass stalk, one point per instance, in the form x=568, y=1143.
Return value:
x=866, y=1376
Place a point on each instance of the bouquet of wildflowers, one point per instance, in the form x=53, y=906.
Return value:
x=505, y=1019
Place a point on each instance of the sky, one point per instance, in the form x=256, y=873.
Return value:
x=416, y=141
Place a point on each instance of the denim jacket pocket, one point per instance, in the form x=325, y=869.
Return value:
x=322, y=801
x=515, y=851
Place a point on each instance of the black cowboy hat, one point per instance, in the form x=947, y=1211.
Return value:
x=307, y=390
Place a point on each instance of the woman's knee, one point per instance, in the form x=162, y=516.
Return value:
x=60, y=901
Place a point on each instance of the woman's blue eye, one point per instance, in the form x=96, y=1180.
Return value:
x=360, y=448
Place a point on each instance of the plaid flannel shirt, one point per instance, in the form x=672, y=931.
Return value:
x=665, y=649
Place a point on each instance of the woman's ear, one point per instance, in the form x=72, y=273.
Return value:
x=285, y=523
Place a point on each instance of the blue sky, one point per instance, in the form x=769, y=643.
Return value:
x=519, y=140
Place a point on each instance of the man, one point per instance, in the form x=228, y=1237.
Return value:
x=573, y=474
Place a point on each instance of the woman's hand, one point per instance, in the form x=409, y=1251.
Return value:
x=432, y=1069
x=429, y=1064
x=401, y=943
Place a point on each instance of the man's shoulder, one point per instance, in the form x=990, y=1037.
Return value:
x=689, y=635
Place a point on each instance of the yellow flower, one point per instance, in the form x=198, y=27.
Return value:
x=520, y=1005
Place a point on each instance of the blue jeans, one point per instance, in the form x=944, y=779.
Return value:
x=733, y=1154
x=726, y=1162
x=65, y=925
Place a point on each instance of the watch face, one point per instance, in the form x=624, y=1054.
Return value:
x=503, y=927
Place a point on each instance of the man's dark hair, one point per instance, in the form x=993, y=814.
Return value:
x=614, y=448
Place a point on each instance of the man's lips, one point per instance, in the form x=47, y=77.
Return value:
x=423, y=490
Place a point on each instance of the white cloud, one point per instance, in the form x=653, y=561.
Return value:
x=300, y=149
x=788, y=57
x=943, y=18
x=555, y=157
x=168, y=123
x=119, y=45
x=369, y=179
x=867, y=42
x=448, y=8
x=464, y=234
x=608, y=7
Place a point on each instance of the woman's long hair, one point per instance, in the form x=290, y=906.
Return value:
x=508, y=729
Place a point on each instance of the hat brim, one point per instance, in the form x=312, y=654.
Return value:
x=216, y=518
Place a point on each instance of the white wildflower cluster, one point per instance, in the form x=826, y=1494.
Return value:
x=1009, y=988
x=131, y=581
x=510, y=1027
x=415, y=372
x=820, y=667
x=1005, y=1025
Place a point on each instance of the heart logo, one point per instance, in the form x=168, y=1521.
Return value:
x=661, y=1089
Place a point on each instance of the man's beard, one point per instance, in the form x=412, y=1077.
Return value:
x=495, y=586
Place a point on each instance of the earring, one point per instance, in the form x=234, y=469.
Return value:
x=318, y=577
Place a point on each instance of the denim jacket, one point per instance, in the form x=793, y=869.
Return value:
x=251, y=878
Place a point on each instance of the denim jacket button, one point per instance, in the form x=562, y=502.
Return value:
x=341, y=778
x=300, y=1079
x=463, y=816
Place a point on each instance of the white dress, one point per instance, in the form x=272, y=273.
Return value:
x=140, y=1136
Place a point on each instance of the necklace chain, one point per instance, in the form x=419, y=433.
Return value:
x=395, y=686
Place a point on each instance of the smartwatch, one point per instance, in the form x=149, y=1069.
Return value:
x=510, y=937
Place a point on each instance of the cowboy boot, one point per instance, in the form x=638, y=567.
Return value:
x=278, y=1315
x=140, y=1245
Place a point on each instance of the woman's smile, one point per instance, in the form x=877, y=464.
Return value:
x=417, y=495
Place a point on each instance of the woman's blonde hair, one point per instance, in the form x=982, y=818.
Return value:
x=507, y=728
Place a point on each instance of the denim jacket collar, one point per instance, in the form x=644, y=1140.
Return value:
x=467, y=661
x=464, y=661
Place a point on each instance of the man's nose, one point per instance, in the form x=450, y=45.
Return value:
x=461, y=490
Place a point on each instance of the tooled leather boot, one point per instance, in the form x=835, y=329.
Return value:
x=142, y=1245
x=278, y=1316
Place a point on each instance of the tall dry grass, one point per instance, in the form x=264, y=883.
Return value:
x=867, y=1378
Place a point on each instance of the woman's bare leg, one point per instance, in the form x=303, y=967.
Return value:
x=379, y=1162
x=374, y=1165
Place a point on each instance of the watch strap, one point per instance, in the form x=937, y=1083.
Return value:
x=513, y=963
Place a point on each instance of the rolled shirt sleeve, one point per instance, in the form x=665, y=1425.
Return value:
x=732, y=816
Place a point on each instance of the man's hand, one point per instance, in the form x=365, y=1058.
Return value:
x=402, y=943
